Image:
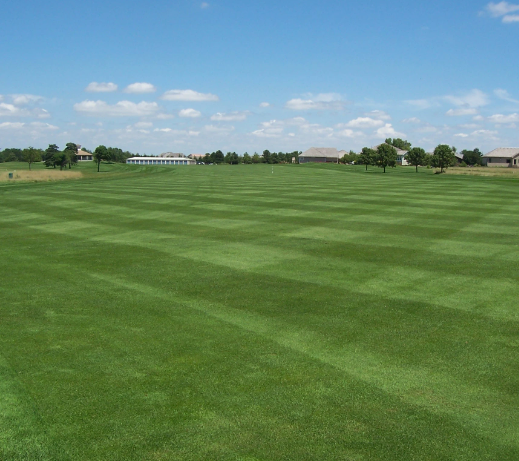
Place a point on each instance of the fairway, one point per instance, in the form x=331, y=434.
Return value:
x=255, y=313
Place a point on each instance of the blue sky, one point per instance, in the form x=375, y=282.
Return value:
x=191, y=76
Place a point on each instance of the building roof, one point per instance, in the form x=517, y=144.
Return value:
x=504, y=152
x=323, y=152
x=171, y=154
x=398, y=151
x=161, y=158
x=83, y=152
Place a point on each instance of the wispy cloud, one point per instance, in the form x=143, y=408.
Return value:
x=188, y=95
x=461, y=112
x=189, y=113
x=120, y=109
x=204, y=5
x=265, y=104
x=95, y=87
x=501, y=119
x=505, y=96
x=322, y=101
x=502, y=10
x=230, y=117
x=364, y=122
x=140, y=87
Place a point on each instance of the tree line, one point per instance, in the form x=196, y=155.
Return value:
x=232, y=158
x=386, y=155
x=54, y=157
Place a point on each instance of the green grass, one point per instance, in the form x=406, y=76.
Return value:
x=228, y=313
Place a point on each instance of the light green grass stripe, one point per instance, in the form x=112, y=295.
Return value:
x=472, y=294
x=437, y=392
x=22, y=436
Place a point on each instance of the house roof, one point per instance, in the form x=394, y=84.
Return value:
x=83, y=152
x=398, y=151
x=328, y=152
x=504, y=152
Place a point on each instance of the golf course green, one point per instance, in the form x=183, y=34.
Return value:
x=254, y=313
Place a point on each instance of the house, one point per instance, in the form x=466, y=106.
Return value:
x=502, y=157
x=84, y=156
x=321, y=155
x=171, y=155
x=160, y=161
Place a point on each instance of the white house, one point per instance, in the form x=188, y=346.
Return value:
x=502, y=157
x=160, y=161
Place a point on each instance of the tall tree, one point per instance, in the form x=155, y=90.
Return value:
x=266, y=156
x=48, y=155
x=31, y=155
x=100, y=154
x=71, y=151
x=247, y=159
x=60, y=159
x=367, y=157
x=443, y=157
x=416, y=157
x=402, y=144
x=386, y=156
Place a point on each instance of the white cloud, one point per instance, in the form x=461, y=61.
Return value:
x=95, y=87
x=478, y=118
x=364, y=122
x=219, y=128
x=323, y=101
x=140, y=87
x=503, y=94
x=22, y=99
x=1, y=97
x=461, y=112
x=268, y=133
x=45, y=126
x=120, y=109
x=11, y=125
x=412, y=120
x=188, y=95
x=143, y=125
x=189, y=113
x=189, y=133
x=474, y=98
x=231, y=117
x=204, y=5
x=10, y=110
x=387, y=131
x=378, y=114
x=500, y=9
x=164, y=116
x=461, y=135
x=510, y=18
x=265, y=104
x=347, y=133
x=500, y=118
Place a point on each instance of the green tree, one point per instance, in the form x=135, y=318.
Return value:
x=256, y=158
x=60, y=159
x=443, y=157
x=416, y=157
x=472, y=157
x=217, y=157
x=207, y=158
x=266, y=156
x=399, y=143
x=48, y=155
x=247, y=159
x=386, y=156
x=100, y=154
x=71, y=151
x=31, y=155
x=367, y=157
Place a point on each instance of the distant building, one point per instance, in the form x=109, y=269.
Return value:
x=171, y=155
x=400, y=155
x=321, y=155
x=196, y=156
x=160, y=161
x=83, y=155
x=502, y=157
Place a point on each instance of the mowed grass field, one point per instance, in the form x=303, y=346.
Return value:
x=232, y=313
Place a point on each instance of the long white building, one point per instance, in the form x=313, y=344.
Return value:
x=160, y=161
